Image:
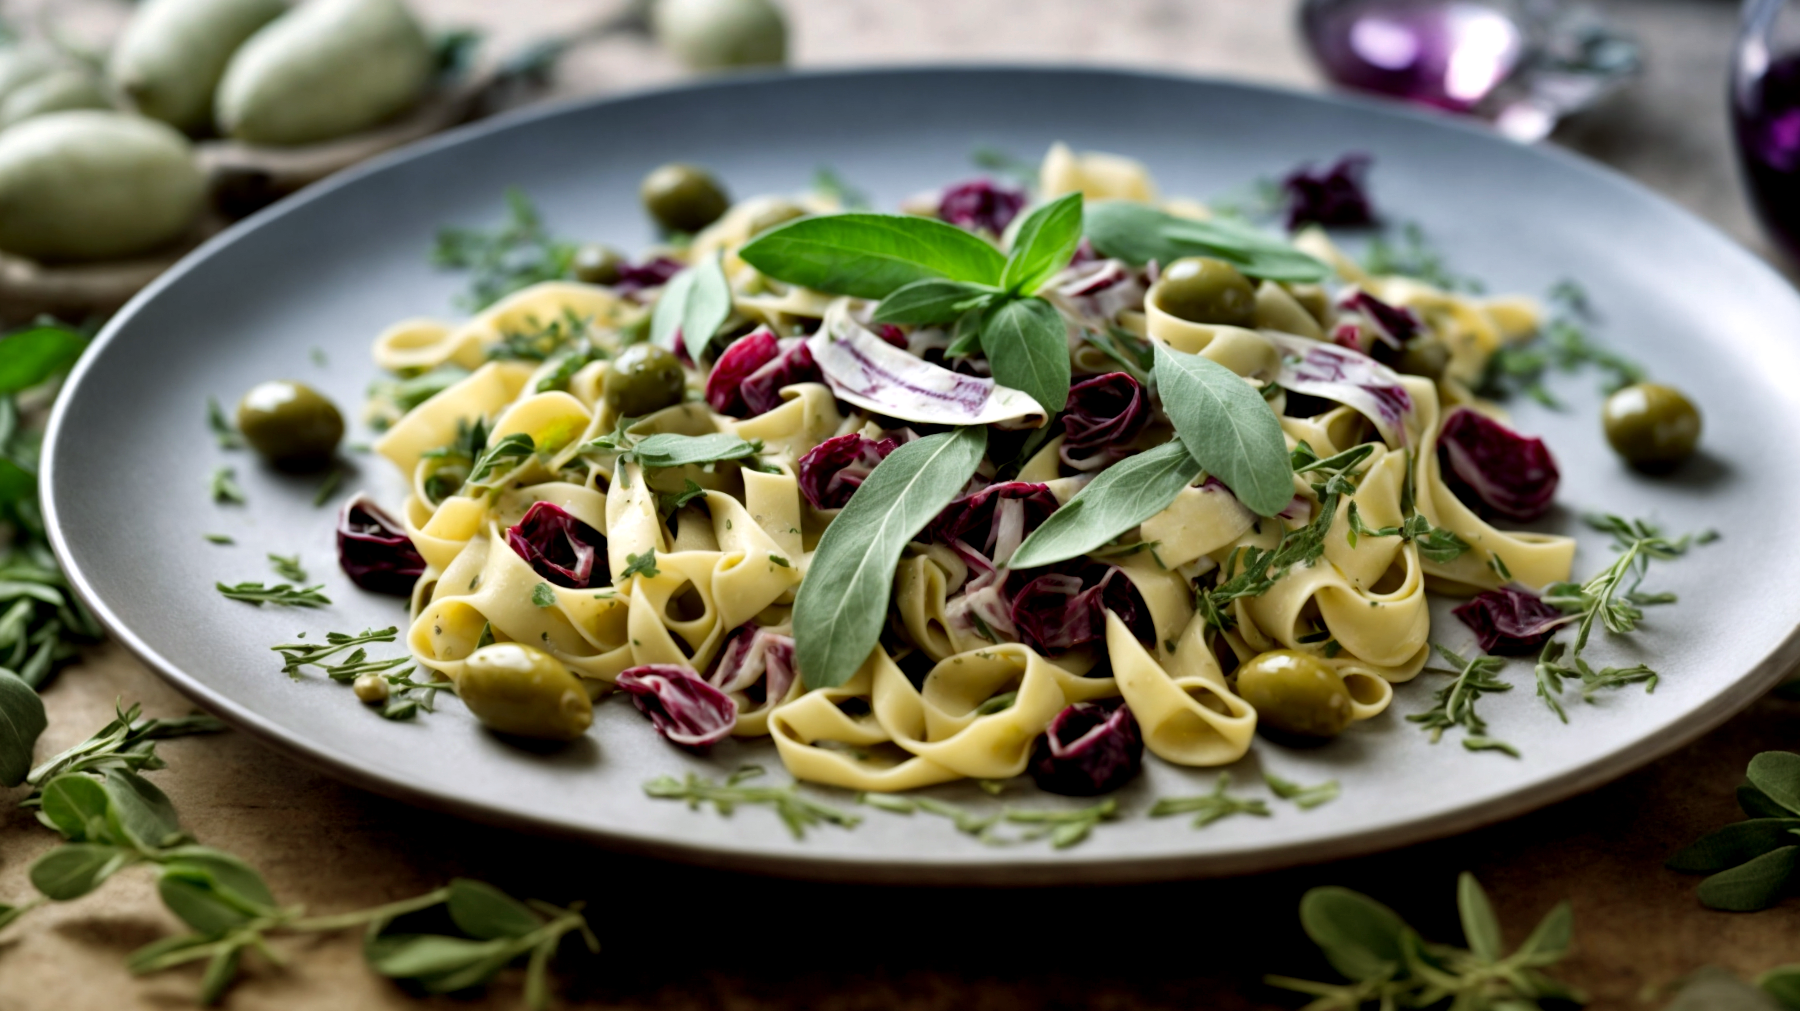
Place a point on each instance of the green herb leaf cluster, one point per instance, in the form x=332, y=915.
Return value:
x=516, y=255
x=1752, y=864
x=665, y=450
x=1138, y=233
x=1565, y=345
x=1063, y=827
x=281, y=594
x=1413, y=256
x=1455, y=702
x=1211, y=807
x=692, y=307
x=796, y=811
x=407, y=697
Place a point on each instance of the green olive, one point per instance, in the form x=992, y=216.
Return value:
x=515, y=689
x=1423, y=358
x=1203, y=290
x=644, y=379
x=683, y=198
x=290, y=423
x=597, y=264
x=370, y=688
x=1652, y=426
x=1295, y=693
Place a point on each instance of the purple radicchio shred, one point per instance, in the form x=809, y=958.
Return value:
x=1104, y=414
x=994, y=520
x=1374, y=327
x=681, y=706
x=653, y=273
x=981, y=203
x=794, y=364
x=1066, y=607
x=757, y=662
x=832, y=471
x=892, y=334
x=1089, y=749
x=560, y=547
x=1336, y=196
x=1509, y=621
x=1493, y=468
x=740, y=359
x=374, y=550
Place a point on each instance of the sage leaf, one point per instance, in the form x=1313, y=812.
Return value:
x=935, y=300
x=77, y=806
x=220, y=971
x=75, y=869
x=1783, y=984
x=31, y=356
x=692, y=306
x=1123, y=496
x=1043, y=246
x=1757, y=884
x=483, y=911
x=843, y=602
x=871, y=255
x=421, y=956
x=1777, y=775
x=669, y=449
x=1139, y=233
x=10, y=913
x=1550, y=940
x=1756, y=804
x=140, y=811
x=1027, y=345
x=1359, y=936
x=211, y=890
x=1734, y=844
x=22, y=719
x=1481, y=929
x=1228, y=427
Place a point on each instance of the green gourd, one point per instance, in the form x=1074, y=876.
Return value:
x=89, y=184
x=57, y=91
x=173, y=52
x=323, y=70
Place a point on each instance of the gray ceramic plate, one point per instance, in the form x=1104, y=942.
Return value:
x=126, y=470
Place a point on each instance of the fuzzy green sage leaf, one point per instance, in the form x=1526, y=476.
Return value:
x=1756, y=884
x=22, y=719
x=1139, y=233
x=1228, y=427
x=871, y=255
x=934, y=300
x=692, y=306
x=1123, y=496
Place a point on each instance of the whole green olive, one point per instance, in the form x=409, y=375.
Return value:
x=516, y=689
x=1296, y=693
x=597, y=264
x=1203, y=290
x=643, y=379
x=290, y=423
x=683, y=198
x=1425, y=358
x=1652, y=426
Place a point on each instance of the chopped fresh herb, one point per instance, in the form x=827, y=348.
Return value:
x=640, y=565
x=225, y=488
x=328, y=487
x=299, y=654
x=281, y=594
x=1210, y=807
x=128, y=742
x=540, y=342
x=543, y=596
x=501, y=457
x=797, y=812
x=287, y=567
x=1565, y=345
x=1412, y=256
x=516, y=255
x=1455, y=703
x=1305, y=797
x=218, y=538
x=222, y=428
x=319, y=358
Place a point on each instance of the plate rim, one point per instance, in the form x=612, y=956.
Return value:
x=1062, y=868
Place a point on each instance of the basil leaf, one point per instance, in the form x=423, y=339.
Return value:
x=1481, y=928
x=483, y=911
x=1359, y=936
x=76, y=806
x=75, y=869
x=1043, y=246
x=1758, y=884
x=692, y=306
x=669, y=449
x=1228, y=427
x=1138, y=233
x=871, y=255
x=934, y=300
x=32, y=356
x=1027, y=345
x=1777, y=775
x=1734, y=844
x=843, y=602
x=22, y=719
x=1123, y=496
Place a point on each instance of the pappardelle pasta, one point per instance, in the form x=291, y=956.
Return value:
x=1013, y=481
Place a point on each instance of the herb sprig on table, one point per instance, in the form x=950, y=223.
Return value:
x=1755, y=863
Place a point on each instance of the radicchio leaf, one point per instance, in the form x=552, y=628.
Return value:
x=1495, y=467
x=681, y=706
x=1103, y=415
x=1090, y=748
x=1374, y=327
x=1333, y=197
x=794, y=364
x=1347, y=377
x=374, y=550
x=872, y=374
x=996, y=519
x=1511, y=622
x=831, y=472
x=652, y=273
x=757, y=663
x=741, y=358
x=559, y=547
x=1099, y=289
x=981, y=204
x=1066, y=607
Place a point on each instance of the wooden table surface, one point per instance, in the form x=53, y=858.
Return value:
x=682, y=938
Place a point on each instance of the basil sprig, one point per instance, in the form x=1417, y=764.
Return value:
x=843, y=602
x=692, y=307
x=1228, y=427
x=927, y=272
x=1123, y=496
x=1139, y=233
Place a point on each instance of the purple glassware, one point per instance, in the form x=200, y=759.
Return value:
x=1765, y=116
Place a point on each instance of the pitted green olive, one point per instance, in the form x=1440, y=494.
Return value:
x=1296, y=693
x=1652, y=426
x=683, y=198
x=516, y=689
x=290, y=423
x=597, y=264
x=642, y=380
x=1203, y=290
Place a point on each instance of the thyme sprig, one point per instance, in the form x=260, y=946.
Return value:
x=280, y=594
x=128, y=742
x=287, y=567
x=1063, y=827
x=1211, y=807
x=796, y=811
x=1611, y=597
x=1565, y=345
x=296, y=655
x=224, y=432
x=518, y=254
x=1304, y=797
x=224, y=488
x=1455, y=702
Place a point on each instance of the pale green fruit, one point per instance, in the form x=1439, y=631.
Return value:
x=323, y=70
x=90, y=184
x=56, y=91
x=20, y=65
x=715, y=34
x=173, y=52
x=516, y=689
